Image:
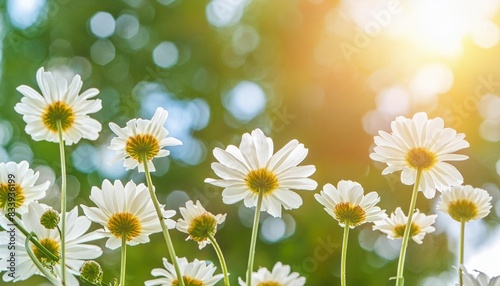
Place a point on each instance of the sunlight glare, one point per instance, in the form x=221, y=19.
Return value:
x=439, y=25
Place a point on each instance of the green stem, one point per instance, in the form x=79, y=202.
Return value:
x=221, y=258
x=406, y=236
x=344, y=254
x=63, y=203
x=34, y=241
x=123, y=261
x=461, y=251
x=159, y=213
x=37, y=263
x=255, y=230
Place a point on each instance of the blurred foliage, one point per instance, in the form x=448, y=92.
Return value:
x=314, y=93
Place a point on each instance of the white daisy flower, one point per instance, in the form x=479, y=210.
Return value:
x=77, y=251
x=251, y=168
x=395, y=225
x=347, y=203
x=198, y=223
x=142, y=138
x=18, y=187
x=59, y=104
x=421, y=144
x=197, y=273
x=125, y=211
x=279, y=276
x=480, y=280
x=465, y=203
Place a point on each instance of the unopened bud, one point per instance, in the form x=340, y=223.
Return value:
x=92, y=272
x=50, y=219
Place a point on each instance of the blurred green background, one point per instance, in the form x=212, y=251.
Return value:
x=328, y=73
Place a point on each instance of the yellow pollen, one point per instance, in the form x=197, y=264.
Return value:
x=124, y=224
x=11, y=196
x=261, y=180
x=269, y=283
x=346, y=212
x=142, y=145
x=399, y=230
x=462, y=210
x=202, y=226
x=58, y=112
x=421, y=158
x=188, y=281
x=51, y=245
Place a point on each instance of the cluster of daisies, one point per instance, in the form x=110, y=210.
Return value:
x=59, y=246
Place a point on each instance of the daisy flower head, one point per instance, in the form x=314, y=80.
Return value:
x=395, y=225
x=59, y=105
x=125, y=211
x=421, y=144
x=281, y=275
x=142, y=139
x=465, y=203
x=251, y=168
x=77, y=249
x=18, y=187
x=480, y=280
x=198, y=223
x=196, y=273
x=348, y=204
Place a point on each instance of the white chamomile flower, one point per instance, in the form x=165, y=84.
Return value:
x=18, y=187
x=480, y=280
x=77, y=251
x=196, y=273
x=59, y=105
x=421, y=144
x=348, y=204
x=198, y=223
x=395, y=225
x=125, y=211
x=279, y=276
x=251, y=168
x=142, y=139
x=465, y=203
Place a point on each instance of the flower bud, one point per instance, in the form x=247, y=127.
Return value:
x=92, y=272
x=50, y=219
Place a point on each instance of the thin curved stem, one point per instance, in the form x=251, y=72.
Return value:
x=37, y=263
x=344, y=254
x=221, y=258
x=123, y=267
x=63, y=203
x=461, y=252
x=406, y=236
x=253, y=241
x=159, y=213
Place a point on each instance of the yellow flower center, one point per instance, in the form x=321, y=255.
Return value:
x=188, y=281
x=142, y=145
x=202, y=227
x=51, y=245
x=124, y=224
x=11, y=196
x=269, y=283
x=346, y=212
x=421, y=158
x=399, y=230
x=463, y=210
x=58, y=112
x=261, y=180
